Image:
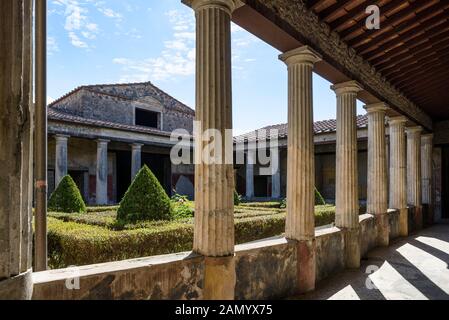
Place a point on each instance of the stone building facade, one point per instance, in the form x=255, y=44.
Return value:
x=254, y=185
x=102, y=134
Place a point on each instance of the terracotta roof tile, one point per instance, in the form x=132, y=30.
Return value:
x=326, y=126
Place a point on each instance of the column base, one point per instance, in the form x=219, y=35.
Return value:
x=219, y=278
x=403, y=222
x=352, y=248
x=306, y=266
x=383, y=229
x=17, y=288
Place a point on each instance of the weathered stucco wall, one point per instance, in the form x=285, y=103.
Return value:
x=264, y=269
x=329, y=252
x=177, y=276
x=256, y=265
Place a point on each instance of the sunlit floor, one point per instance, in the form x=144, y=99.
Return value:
x=414, y=268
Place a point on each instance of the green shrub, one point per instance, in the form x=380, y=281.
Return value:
x=67, y=198
x=88, y=239
x=237, y=198
x=324, y=215
x=181, y=207
x=145, y=199
x=263, y=204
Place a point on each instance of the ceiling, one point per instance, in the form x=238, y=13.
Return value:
x=411, y=48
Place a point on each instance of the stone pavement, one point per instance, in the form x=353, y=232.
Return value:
x=411, y=268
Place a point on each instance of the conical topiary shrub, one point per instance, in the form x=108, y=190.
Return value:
x=67, y=198
x=145, y=200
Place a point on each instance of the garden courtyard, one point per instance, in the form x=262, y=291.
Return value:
x=96, y=236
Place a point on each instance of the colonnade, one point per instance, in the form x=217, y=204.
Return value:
x=214, y=228
x=61, y=164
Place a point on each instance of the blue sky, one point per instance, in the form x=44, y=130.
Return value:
x=114, y=41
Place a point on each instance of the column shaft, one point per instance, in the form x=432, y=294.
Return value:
x=414, y=190
x=136, y=159
x=16, y=124
x=427, y=173
x=102, y=172
x=276, y=177
x=377, y=170
x=398, y=171
x=250, y=161
x=347, y=202
x=214, y=182
x=426, y=167
x=61, y=158
x=300, y=221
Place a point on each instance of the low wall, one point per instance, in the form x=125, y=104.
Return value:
x=264, y=269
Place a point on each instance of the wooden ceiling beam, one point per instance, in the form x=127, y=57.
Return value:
x=388, y=21
x=312, y=4
x=353, y=13
x=425, y=82
x=416, y=67
x=408, y=43
x=411, y=78
x=404, y=64
x=411, y=55
x=416, y=34
x=326, y=13
x=376, y=41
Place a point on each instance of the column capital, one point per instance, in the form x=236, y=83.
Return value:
x=61, y=137
x=376, y=107
x=137, y=145
x=228, y=5
x=428, y=137
x=413, y=130
x=347, y=87
x=301, y=55
x=103, y=141
x=397, y=120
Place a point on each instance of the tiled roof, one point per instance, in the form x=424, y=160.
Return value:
x=326, y=126
x=60, y=116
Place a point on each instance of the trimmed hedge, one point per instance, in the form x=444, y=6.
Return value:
x=91, y=238
x=67, y=197
x=145, y=199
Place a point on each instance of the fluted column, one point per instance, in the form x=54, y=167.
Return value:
x=276, y=176
x=250, y=161
x=398, y=171
x=377, y=170
x=426, y=175
x=414, y=190
x=214, y=183
x=300, y=221
x=61, y=158
x=16, y=159
x=426, y=168
x=136, y=159
x=347, y=199
x=102, y=172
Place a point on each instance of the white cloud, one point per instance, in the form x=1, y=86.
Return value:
x=76, y=41
x=79, y=28
x=108, y=12
x=178, y=56
x=176, y=59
